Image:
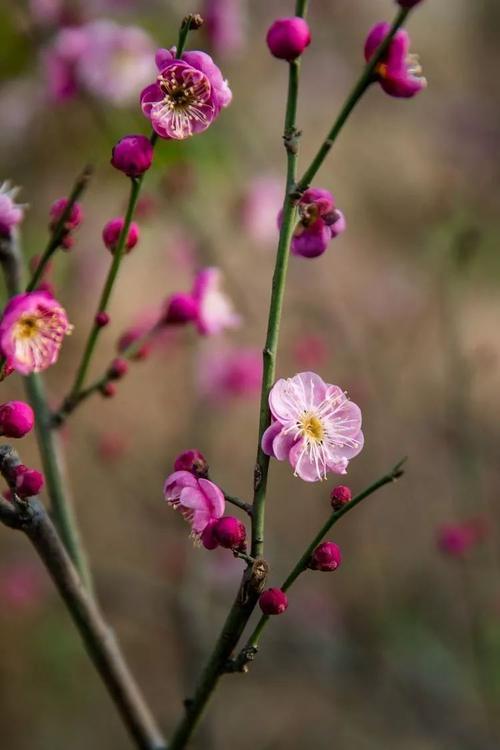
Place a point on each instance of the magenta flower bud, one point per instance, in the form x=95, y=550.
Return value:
x=273, y=602
x=230, y=532
x=16, y=419
x=118, y=369
x=108, y=390
x=287, y=38
x=208, y=537
x=180, y=308
x=27, y=482
x=57, y=209
x=326, y=557
x=132, y=155
x=340, y=496
x=113, y=229
x=193, y=461
x=102, y=319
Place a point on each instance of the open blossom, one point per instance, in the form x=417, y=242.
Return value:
x=319, y=223
x=32, y=330
x=199, y=500
x=105, y=59
x=229, y=372
x=215, y=309
x=11, y=214
x=187, y=96
x=315, y=427
x=399, y=72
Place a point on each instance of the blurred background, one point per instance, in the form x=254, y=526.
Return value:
x=401, y=646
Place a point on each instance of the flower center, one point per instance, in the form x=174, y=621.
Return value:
x=311, y=427
x=186, y=100
x=27, y=327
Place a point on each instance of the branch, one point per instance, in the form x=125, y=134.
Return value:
x=250, y=650
x=357, y=92
x=30, y=517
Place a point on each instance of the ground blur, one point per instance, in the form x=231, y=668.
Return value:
x=401, y=646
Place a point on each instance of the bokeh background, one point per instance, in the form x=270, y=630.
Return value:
x=401, y=646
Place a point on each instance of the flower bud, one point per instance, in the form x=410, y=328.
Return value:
x=108, y=390
x=193, y=461
x=287, y=38
x=340, y=496
x=230, y=532
x=102, y=319
x=16, y=419
x=408, y=3
x=118, y=369
x=326, y=557
x=273, y=602
x=132, y=155
x=180, y=308
x=207, y=536
x=113, y=229
x=57, y=209
x=27, y=482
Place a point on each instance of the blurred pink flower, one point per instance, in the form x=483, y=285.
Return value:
x=199, y=500
x=46, y=12
x=224, y=22
x=215, y=309
x=109, y=61
x=11, y=213
x=458, y=539
x=229, y=372
x=111, y=446
x=310, y=350
x=316, y=428
x=32, y=330
x=22, y=587
x=260, y=206
x=187, y=96
x=399, y=72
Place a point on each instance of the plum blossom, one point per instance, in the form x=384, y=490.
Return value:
x=32, y=330
x=260, y=205
x=11, y=213
x=399, y=72
x=187, y=96
x=109, y=61
x=228, y=372
x=215, y=309
x=199, y=500
x=224, y=22
x=319, y=223
x=315, y=427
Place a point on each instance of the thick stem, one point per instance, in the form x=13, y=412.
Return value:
x=357, y=92
x=48, y=443
x=303, y=562
x=57, y=234
x=253, y=581
x=30, y=517
x=118, y=253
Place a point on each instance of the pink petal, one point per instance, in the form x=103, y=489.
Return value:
x=282, y=445
x=194, y=498
x=215, y=497
x=268, y=438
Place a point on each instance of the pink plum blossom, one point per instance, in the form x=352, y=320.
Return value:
x=224, y=24
x=228, y=372
x=319, y=223
x=11, y=213
x=260, y=205
x=399, y=72
x=199, y=500
x=32, y=329
x=109, y=61
x=215, y=309
x=187, y=96
x=315, y=426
